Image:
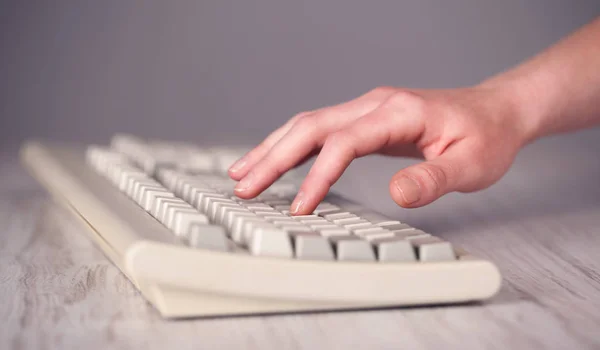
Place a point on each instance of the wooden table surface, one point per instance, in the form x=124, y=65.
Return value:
x=540, y=225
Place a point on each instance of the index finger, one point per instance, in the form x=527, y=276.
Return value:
x=345, y=112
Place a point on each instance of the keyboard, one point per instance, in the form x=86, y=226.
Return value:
x=165, y=214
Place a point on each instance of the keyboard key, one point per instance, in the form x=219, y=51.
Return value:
x=411, y=234
x=321, y=227
x=126, y=180
x=258, y=206
x=375, y=218
x=272, y=213
x=266, y=196
x=211, y=237
x=100, y=157
x=331, y=232
x=267, y=213
x=357, y=225
x=238, y=230
x=283, y=219
x=138, y=186
x=395, y=226
x=246, y=202
x=223, y=211
x=282, y=207
x=291, y=229
x=215, y=207
x=159, y=205
x=385, y=222
x=167, y=177
x=185, y=220
x=339, y=216
x=314, y=221
x=433, y=249
x=352, y=248
x=172, y=209
x=367, y=231
x=270, y=241
x=148, y=197
x=350, y=220
x=305, y=217
x=147, y=192
x=152, y=205
x=325, y=207
x=380, y=235
x=251, y=226
x=338, y=219
x=230, y=217
x=393, y=250
x=209, y=199
x=312, y=246
x=275, y=202
x=197, y=195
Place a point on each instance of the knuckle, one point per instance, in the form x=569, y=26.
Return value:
x=300, y=115
x=437, y=176
x=306, y=121
x=271, y=167
x=406, y=100
x=277, y=170
x=383, y=91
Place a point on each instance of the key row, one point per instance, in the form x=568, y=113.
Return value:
x=173, y=212
x=329, y=233
x=151, y=155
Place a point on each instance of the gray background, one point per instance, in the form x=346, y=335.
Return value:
x=231, y=71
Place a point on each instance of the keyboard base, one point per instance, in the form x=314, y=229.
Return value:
x=174, y=302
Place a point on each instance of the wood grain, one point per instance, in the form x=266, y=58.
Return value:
x=540, y=225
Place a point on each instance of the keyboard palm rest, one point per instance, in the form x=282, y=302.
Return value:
x=166, y=215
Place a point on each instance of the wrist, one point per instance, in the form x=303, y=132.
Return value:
x=521, y=105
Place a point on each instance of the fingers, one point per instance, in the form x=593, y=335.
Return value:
x=307, y=135
x=425, y=182
x=343, y=113
x=369, y=134
x=241, y=167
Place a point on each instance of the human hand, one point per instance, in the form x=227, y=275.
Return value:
x=468, y=138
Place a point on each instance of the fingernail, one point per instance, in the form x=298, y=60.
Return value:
x=409, y=188
x=245, y=183
x=298, y=203
x=239, y=164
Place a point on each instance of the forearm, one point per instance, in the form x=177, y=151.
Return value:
x=559, y=89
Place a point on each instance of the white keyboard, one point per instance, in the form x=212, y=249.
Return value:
x=166, y=215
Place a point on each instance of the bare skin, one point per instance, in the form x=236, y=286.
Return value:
x=468, y=137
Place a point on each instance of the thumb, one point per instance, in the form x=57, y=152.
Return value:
x=425, y=182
